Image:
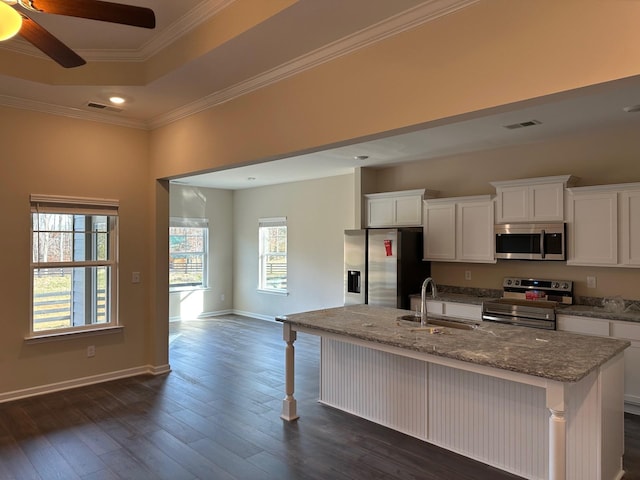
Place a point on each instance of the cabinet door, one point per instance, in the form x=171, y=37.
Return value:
x=463, y=310
x=408, y=211
x=440, y=232
x=630, y=228
x=593, y=229
x=512, y=204
x=474, y=233
x=583, y=325
x=546, y=202
x=632, y=374
x=380, y=212
x=630, y=331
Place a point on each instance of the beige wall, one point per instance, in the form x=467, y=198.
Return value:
x=493, y=53
x=318, y=212
x=598, y=156
x=59, y=156
x=217, y=207
x=490, y=54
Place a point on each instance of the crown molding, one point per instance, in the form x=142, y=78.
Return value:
x=399, y=23
x=407, y=20
x=42, y=107
x=199, y=14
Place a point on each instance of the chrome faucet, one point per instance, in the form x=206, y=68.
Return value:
x=434, y=293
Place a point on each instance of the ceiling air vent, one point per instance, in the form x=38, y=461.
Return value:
x=100, y=106
x=529, y=123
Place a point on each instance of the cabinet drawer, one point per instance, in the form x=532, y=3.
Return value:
x=583, y=325
x=626, y=330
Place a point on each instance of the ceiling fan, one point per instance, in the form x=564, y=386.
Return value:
x=31, y=31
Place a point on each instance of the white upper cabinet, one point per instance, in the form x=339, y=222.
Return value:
x=603, y=226
x=439, y=231
x=395, y=209
x=630, y=227
x=459, y=229
x=531, y=199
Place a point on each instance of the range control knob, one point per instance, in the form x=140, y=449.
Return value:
x=509, y=281
x=555, y=285
x=517, y=282
x=565, y=286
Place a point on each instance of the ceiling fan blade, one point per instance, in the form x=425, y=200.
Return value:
x=54, y=48
x=96, y=10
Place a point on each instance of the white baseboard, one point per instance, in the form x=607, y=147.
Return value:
x=202, y=315
x=632, y=408
x=269, y=318
x=84, y=381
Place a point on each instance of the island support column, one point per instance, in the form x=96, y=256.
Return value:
x=557, y=431
x=289, y=411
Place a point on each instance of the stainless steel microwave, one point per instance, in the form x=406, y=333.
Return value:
x=530, y=241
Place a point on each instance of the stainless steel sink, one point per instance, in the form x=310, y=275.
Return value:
x=440, y=322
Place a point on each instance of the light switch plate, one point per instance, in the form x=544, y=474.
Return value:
x=591, y=282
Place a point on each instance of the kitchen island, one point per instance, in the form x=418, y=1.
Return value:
x=540, y=404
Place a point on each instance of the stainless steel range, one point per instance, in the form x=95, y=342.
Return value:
x=529, y=302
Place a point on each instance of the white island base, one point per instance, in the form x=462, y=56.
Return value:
x=527, y=425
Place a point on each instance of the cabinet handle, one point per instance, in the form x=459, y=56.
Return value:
x=542, y=235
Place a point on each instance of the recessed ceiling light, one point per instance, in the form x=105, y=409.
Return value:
x=632, y=108
x=361, y=157
x=117, y=100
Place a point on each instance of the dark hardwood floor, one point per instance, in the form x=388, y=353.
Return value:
x=216, y=416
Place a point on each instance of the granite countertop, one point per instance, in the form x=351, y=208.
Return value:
x=560, y=356
x=598, y=312
x=459, y=297
x=474, y=296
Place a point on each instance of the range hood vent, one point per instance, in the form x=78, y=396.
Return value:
x=528, y=123
x=100, y=106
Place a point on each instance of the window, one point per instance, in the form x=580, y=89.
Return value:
x=272, y=234
x=188, y=252
x=73, y=264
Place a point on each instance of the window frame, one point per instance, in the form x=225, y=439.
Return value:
x=184, y=222
x=272, y=222
x=88, y=207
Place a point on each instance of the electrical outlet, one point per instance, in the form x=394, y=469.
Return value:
x=591, y=282
x=91, y=351
x=135, y=277
x=467, y=274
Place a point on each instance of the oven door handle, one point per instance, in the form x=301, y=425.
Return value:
x=494, y=318
x=542, y=235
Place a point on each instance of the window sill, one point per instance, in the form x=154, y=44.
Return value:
x=50, y=337
x=194, y=288
x=282, y=293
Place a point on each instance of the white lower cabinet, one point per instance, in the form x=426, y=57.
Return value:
x=621, y=330
x=466, y=311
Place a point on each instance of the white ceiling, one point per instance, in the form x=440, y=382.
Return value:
x=322, y=30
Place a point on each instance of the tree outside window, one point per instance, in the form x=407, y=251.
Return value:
x=73, y=264
x=272, y=235
x=188, y=253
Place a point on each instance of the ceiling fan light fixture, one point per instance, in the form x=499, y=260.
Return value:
x=10, y=21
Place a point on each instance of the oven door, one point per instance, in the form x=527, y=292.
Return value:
x=520, y=321
x=530, y=241
x=525, y=313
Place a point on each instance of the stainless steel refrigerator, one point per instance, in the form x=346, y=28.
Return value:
x=383, y=266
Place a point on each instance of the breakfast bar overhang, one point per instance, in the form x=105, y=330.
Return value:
x=540, y=404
